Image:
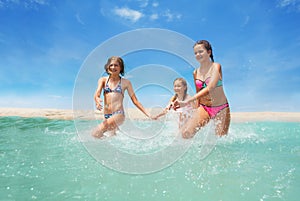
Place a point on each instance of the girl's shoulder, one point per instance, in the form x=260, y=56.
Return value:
x=216, y=65
x=124, y=79
x=125, y=82
x=216, y=68
x=195, y=71
x=103, y=79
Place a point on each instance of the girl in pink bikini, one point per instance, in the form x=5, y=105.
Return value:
x=210, y=96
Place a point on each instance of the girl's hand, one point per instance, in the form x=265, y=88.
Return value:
x=154, y=118
x=151, y=117
x=171, y=105
x=179, y=104
x=176, y=105
x=98, y=103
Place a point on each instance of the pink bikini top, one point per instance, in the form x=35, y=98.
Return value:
x=203, y=84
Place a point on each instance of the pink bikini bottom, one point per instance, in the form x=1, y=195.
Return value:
x=214, y=110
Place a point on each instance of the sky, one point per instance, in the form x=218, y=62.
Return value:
x=44, y=45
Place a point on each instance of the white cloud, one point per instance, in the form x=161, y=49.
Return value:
x=171, y=16
x=146, y=10
x=129, y=14
x=284, y=3
x=291, y=4
x=29, y=4
x=168, y=15
x=40, y=2
x=143, y=3
x=154, y=17
x=155, y=4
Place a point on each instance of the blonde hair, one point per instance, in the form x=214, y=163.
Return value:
x=183, y=82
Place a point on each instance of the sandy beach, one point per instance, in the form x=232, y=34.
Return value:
x=136, y=114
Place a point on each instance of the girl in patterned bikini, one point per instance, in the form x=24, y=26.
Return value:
x=113, y=87
x=212, y=102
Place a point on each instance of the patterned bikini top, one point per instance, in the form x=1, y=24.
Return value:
x=118, y=88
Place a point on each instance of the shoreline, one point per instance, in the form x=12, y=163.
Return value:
x=132, y=113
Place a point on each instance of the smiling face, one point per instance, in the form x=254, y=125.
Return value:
x=114, y=65
x=201, y=53
x=179, y=87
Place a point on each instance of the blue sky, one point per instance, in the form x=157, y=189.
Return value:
x=43, y=44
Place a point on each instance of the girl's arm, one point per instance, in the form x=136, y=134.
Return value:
x=211, y=86
x=134, y=98
x=164, y=112
x=169, y=106
x=194, y=104
x=97, y=93
x=195, y=75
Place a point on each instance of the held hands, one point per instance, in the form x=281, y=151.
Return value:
x=165, y=111
x=155, y=117
x=178, y=104
x=152, y=117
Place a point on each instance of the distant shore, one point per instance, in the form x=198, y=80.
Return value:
x=136, y=114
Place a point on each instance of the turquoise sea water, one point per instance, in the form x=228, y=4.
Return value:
x=42, y=159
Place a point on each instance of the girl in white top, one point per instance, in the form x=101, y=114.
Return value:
x=180, y=89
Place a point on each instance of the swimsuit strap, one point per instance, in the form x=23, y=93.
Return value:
x=118, y=88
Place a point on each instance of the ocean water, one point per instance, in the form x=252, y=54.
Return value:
x=42, y=159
